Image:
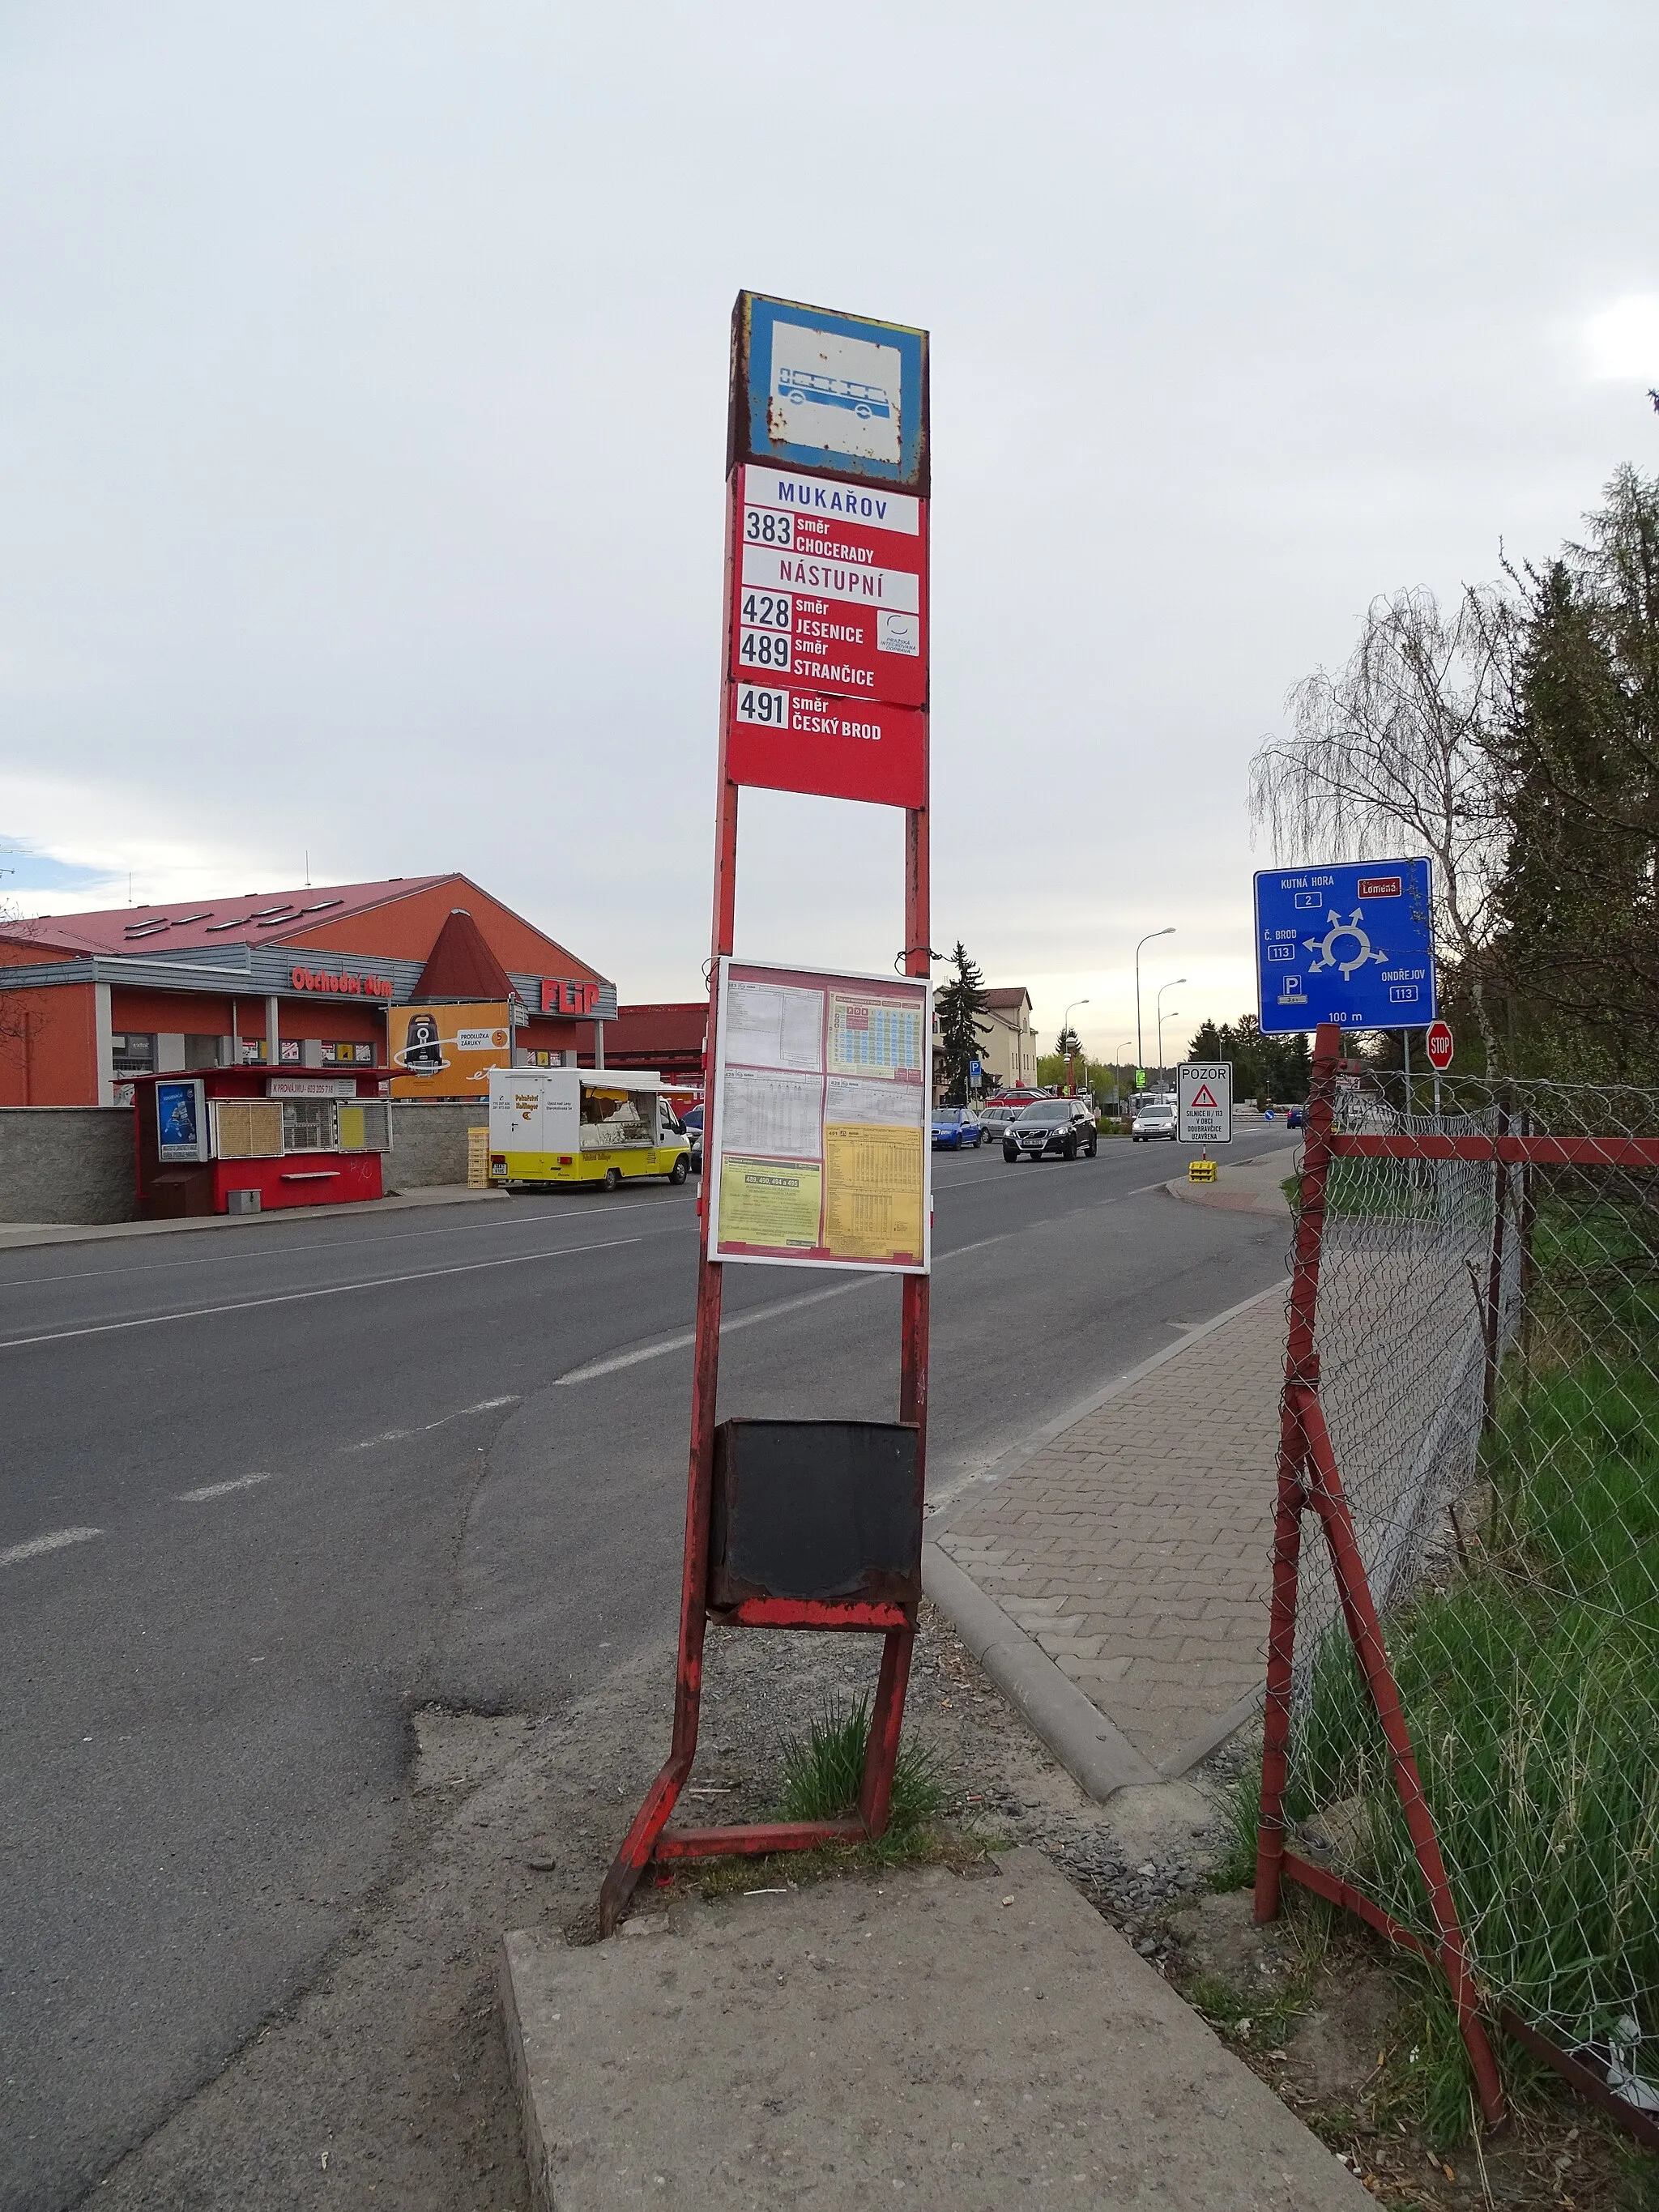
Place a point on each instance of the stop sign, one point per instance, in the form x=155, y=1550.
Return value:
x=1438, y=1045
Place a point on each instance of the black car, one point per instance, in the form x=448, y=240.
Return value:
x=1056, y=1127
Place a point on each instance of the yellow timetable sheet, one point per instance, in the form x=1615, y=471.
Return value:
x=776, y=1203
x=874, y=1177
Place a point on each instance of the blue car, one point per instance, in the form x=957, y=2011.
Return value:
x=692, y=1125
x=955, y=1126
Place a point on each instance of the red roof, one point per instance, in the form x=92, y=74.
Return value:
x=460, y=965
x=1004, y=995
x=187, y=925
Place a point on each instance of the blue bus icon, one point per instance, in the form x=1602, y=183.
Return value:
x=866, y=401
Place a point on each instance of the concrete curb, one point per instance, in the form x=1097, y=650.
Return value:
x=1091, y=1747
x=515, y=1961
x=25, y=1236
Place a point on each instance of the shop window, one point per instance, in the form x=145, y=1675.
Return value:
x=201, y=1052
x=247, y=1129
x=347, y=1055
x=254, y=1053
x=130, y=1055
x=308, y=1125
x=365, y=1126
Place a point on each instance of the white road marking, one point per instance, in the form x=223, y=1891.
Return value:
x=491, y=1220
x=398, y=1436
x=665, y=1345
x=329, y=1291
x=54, y=1543
x=220, y=1489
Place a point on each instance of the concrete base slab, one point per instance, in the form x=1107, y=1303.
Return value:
x=939, y=2043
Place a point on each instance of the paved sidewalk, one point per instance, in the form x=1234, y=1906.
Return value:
x=1129, y=1556
x=16, y=1234
x=1257, y=1187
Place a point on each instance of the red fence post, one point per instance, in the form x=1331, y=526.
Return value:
x=1301, y=1374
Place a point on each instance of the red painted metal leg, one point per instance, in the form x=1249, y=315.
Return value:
x=1281, y=1650
x=652, y=1818
x=881, y=1751
x=1327, y=1496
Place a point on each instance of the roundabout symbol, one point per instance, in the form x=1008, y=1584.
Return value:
x=1326, y=946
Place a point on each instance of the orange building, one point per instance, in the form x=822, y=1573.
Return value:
x=300, y=978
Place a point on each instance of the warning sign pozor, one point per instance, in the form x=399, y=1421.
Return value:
x=1206, y=1102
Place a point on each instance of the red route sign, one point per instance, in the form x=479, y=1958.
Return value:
x=827, y=641
x=1437, y=1044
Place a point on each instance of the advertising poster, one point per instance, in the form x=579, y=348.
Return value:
x=818, y=1154
x=181, y=1121
x=447, y=1052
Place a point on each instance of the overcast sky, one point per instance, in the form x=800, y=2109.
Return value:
x=361, y=431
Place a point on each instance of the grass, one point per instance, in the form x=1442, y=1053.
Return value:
x=822, y=1772
x=1531, y=1687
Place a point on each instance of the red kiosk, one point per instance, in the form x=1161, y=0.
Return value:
x=242, y=1141
x=810, y=1524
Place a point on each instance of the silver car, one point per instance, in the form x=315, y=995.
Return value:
x=1155, y=1119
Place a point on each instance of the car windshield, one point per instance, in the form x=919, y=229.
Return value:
x=1046, y=1115
x=1156, y=1113
x=946, y=1117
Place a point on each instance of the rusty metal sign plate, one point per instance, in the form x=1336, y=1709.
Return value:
x=845, y=395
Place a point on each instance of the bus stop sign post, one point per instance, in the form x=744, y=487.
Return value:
x=825, y=691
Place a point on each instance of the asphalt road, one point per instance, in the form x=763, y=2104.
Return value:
x=268, y=1489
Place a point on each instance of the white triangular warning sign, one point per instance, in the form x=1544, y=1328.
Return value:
x=1204, y=1096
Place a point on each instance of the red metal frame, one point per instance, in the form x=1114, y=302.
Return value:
x=1309, y=1478
x=650, y=1840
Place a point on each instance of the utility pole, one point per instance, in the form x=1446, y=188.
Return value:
x=1139, y=1056
x=1171, y=985
x=1066, y=1031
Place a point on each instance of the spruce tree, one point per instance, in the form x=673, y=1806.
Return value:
x=959, y=1001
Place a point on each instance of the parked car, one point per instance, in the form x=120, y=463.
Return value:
x=1060, y=1127
x=994, y=1119
x=1155, y=1119
x=691, y=1123
x=954, y=1128
x=1296, y=1118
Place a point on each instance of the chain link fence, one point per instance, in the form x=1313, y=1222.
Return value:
x=1487, y=1332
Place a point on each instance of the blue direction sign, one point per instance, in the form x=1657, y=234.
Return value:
x=1348, y=941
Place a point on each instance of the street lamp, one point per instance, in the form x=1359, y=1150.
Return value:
x=1064, y=1029
x=1161, y=988
x=1147, y=940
